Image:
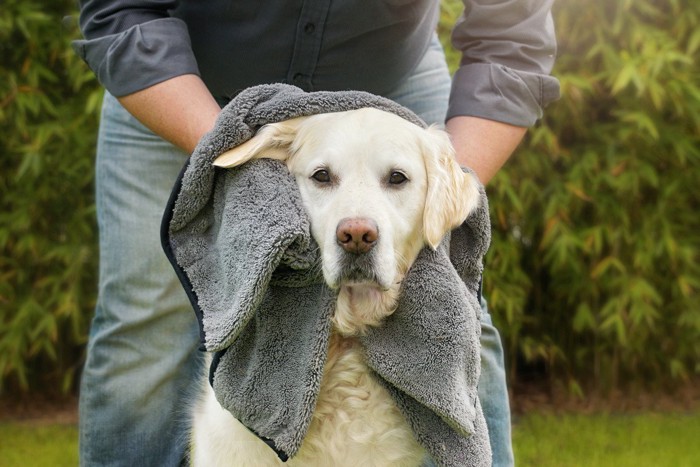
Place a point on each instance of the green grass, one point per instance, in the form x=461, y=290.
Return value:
x=653, y=440
x=32, y=445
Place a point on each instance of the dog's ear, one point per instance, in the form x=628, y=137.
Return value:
x=272, y=141
x=452, y=193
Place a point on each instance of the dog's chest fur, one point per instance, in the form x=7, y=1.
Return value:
x=355, y=422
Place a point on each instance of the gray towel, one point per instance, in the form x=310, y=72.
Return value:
x=240, y=243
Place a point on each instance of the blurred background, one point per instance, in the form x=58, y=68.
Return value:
x=594, y=268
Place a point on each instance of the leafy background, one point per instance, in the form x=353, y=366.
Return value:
x=594, y=269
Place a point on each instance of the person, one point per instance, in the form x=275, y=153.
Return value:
x=169, y=66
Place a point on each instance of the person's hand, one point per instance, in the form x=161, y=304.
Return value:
x=483, y=145
x=180, y=110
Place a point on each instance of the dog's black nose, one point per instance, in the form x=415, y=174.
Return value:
x=357, y=235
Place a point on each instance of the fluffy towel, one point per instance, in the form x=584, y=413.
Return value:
x=240, y=243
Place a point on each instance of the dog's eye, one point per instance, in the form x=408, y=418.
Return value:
x=321, y=176
x=397, y=178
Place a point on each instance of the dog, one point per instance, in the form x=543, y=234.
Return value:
x=377, y=189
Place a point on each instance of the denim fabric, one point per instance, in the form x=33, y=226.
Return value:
x=493, y=392
x=426, y=90
x=142, y=354
x=142, y=364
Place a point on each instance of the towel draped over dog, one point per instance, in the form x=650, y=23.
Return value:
x=239, y=240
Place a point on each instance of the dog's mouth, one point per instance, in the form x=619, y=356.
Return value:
x=359, y=270
x=357, y=277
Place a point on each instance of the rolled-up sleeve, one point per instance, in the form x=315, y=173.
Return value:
x=508, y=50
x=131, y=45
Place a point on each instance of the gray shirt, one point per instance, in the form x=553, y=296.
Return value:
x=508, y=47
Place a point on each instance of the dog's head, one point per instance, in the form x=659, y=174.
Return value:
x=377, y=189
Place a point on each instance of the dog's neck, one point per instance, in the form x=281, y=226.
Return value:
x=361, y=306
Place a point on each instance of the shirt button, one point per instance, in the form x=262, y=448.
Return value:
x=309, y=28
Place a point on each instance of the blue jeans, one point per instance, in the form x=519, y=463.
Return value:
x=142, y=363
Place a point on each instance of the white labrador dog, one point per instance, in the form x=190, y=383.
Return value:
x=377, y=189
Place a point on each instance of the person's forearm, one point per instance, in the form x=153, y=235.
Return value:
x=483, y=145
x=180, y=110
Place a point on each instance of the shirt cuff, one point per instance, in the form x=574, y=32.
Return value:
x=500, y=93
x=141, y=56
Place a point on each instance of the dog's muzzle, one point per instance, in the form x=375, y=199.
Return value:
x=357, y=237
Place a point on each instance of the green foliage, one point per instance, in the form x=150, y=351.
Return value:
x=48, y=107
x=450, y=11
x=594, y=269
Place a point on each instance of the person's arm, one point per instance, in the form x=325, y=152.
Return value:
x=144, y=57
x=180, y=110
x=483, y=145
x=503, y=82
x=132, y=45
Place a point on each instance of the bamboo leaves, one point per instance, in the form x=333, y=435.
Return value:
x=613, y=251
x=47, y=235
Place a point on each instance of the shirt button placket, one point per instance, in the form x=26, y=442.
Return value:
x=307, y=45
